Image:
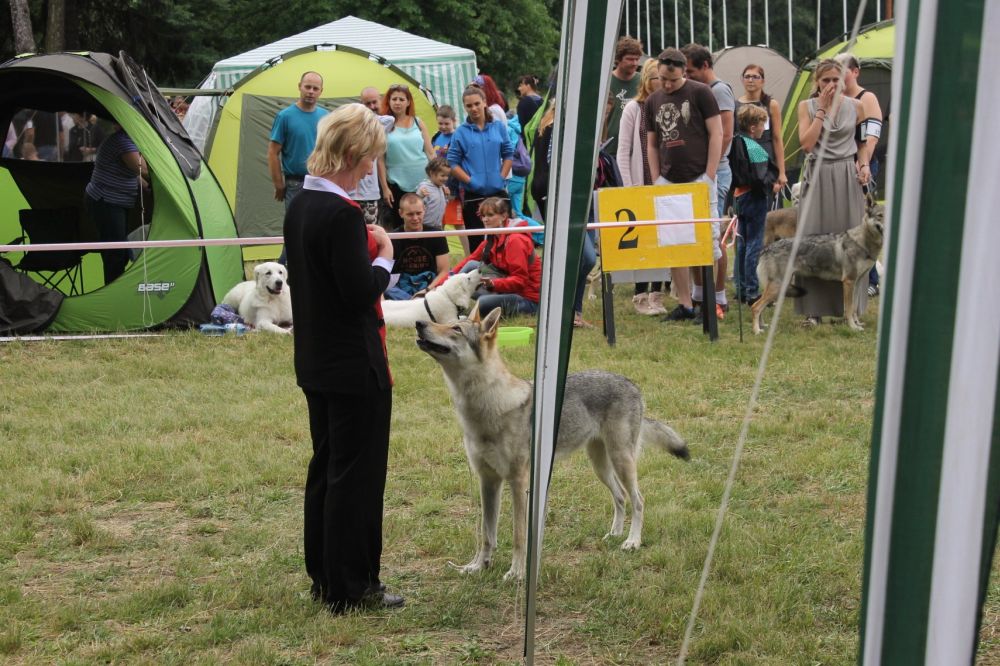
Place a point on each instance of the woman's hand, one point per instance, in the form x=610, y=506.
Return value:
x=487, y=284
x=382, y=241
x=864, y=172
x=825, y=100
x=780, y=183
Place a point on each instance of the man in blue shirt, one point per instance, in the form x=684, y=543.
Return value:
x=293, y=136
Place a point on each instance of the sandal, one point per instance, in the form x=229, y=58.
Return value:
x=580, y=322
x=812, y=322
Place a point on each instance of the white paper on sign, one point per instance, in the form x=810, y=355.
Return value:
x=674, y=207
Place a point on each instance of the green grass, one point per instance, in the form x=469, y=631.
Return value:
x=151, y=509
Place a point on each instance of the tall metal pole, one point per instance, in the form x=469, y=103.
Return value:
x=767, y=25
x=791, y=51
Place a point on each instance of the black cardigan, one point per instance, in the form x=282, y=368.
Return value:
x=334, y=289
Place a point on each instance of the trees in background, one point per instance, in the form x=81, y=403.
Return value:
x=178, y=41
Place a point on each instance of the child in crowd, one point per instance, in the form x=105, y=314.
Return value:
x=434, y=191
x=446, y=127
x=750, y=196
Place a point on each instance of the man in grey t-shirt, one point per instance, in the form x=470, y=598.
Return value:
x=699, y=68
x=623, y=87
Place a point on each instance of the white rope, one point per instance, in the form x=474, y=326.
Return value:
x=807, y=208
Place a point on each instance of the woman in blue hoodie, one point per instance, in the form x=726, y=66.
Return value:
x=480, y=158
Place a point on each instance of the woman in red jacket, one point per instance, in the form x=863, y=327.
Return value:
x=512, y=272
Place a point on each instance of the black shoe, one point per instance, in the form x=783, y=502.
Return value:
x=699, y=316
x=380, y=599
x=679, y=313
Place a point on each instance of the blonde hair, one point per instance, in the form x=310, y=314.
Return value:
x=344, y=138
x=650, y=72
x=822, y=66
x=749, y=115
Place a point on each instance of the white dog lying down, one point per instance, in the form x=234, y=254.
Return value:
x=440, y=305
x=264, y=302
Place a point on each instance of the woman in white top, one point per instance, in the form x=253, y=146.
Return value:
x=634, y=166
x=407, y=152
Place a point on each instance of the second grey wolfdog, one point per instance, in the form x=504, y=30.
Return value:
x=845, y=257
x=601, y=411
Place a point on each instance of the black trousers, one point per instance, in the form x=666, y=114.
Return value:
x=344, y=492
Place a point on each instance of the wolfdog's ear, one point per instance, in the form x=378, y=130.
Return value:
x=490, y=323
x=474, y=315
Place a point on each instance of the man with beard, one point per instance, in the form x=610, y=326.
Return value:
x=623, y=87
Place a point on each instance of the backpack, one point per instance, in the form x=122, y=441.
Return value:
x=521, y=160
x=758, y=175
x=607, y=173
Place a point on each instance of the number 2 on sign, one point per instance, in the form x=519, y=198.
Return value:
x=626, y=243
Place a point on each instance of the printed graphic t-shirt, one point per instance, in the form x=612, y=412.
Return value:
x=678, y=118
x=416, y=255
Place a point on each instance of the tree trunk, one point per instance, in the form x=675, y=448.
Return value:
x=55, y=28
x=24, y=39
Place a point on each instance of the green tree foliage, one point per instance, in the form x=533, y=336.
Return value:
x=179, y=40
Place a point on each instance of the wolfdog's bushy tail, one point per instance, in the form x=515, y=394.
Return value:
x=665, y=437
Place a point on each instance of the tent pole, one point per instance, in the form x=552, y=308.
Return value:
x=819, y=8
x=749, y=20
x=691, y=19
x=677, y=26
x=649, y=33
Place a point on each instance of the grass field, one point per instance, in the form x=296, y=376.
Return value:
x=152, y=487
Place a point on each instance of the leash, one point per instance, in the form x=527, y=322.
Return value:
x=429, y=313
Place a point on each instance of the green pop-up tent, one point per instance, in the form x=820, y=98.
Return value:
x=161, y=286
x=237, y=146
x=874, y=51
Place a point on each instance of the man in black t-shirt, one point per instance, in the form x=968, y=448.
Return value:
x=683, y=145
x=415, y=256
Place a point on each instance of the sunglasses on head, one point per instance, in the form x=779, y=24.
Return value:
x=670, y=62
x=399, y=86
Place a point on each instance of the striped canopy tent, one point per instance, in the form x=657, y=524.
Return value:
x=443, y=68
x=934, y=488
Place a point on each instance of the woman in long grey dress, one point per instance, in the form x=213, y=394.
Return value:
x=833, y=200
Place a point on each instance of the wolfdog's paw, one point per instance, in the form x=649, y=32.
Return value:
x=475, y=566
x=631, y=544
x=514, y=573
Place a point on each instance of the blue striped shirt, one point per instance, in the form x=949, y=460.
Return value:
x=112, y=181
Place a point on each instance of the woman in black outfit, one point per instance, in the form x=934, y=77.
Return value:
x=339, y=268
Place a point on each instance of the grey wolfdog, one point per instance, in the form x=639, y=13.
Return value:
x=601, y=411
x=845, y=257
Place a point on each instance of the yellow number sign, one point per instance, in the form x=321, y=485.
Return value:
x=664, y=246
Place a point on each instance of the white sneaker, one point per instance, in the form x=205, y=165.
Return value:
x=641, y=303
x=656, y=303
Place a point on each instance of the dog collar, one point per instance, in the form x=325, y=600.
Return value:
x=429, y=313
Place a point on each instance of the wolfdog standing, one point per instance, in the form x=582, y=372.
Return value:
x=601, y=411
x=845, y=257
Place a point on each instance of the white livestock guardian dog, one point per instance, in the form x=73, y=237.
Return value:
x=265, y=301
x=440, y=305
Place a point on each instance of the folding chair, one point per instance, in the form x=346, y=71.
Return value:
x=52, y=225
